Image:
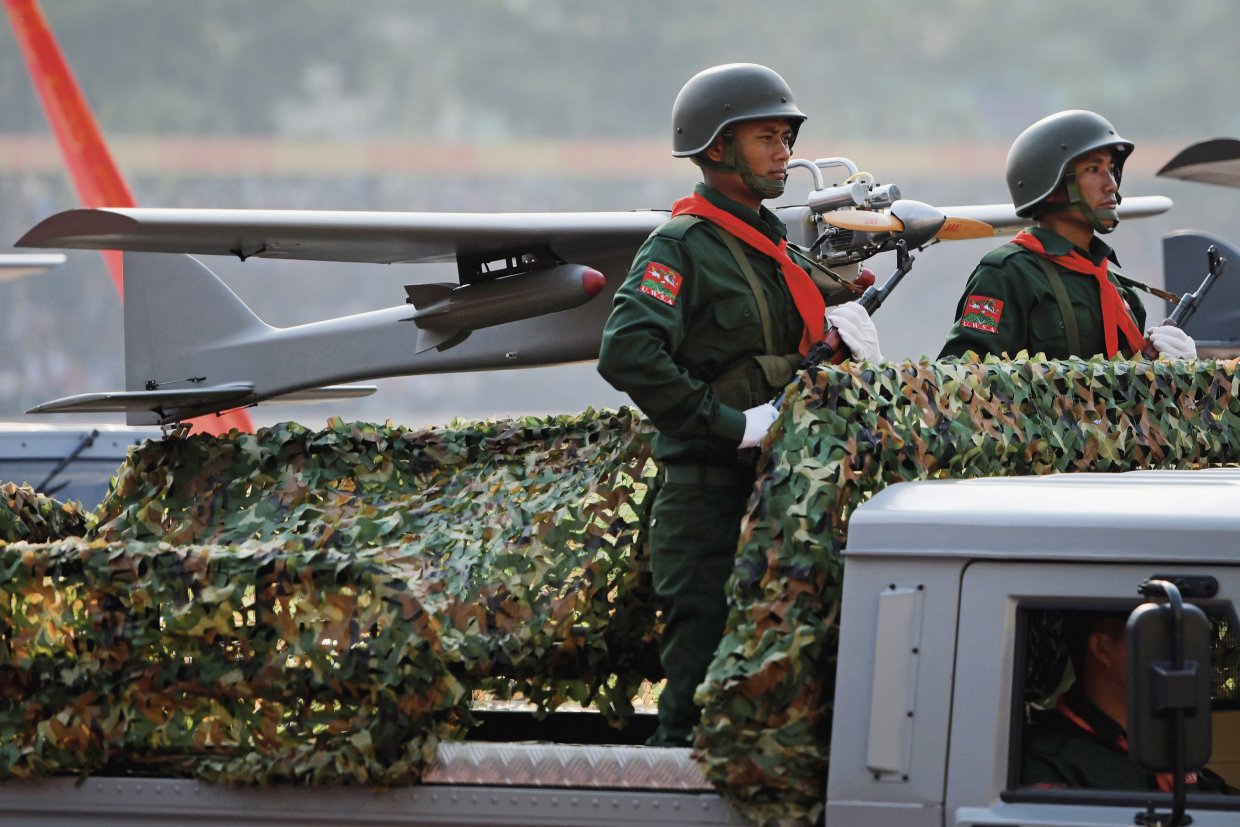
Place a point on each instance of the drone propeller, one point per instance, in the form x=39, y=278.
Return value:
x=959, y=228
x=864, y=221
x=952, y=228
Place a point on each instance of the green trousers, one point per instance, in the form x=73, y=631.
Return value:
x=694, y=529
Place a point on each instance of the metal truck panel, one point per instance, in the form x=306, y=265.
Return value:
x=113, y=802
x=893, y=692
x=1136, y=515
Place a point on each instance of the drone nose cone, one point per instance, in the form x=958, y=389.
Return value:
x=592, y=281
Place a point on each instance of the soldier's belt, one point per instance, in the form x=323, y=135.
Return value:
x=701, y=474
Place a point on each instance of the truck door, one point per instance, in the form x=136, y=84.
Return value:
x=1013, y=668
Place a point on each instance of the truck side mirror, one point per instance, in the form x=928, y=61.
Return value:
x=1168, y=683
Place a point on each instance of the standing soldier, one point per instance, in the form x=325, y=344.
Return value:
x=709, y=325
x=1053, y=289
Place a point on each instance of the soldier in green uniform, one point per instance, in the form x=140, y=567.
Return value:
x=1082, y=742
x=1055, y=288
x=709, y=325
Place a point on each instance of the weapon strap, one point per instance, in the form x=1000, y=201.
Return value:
x=742, y=261
x=751, y=380
x=1070, y=330
x=1153, y=291
x=805, y=294
x=776, y=370
x=751, y=278
x=1116, y=316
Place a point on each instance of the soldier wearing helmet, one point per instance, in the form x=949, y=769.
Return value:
x=1056, y=288
x=711, y=322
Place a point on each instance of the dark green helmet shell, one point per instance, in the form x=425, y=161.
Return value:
x=1041, y=154
x=720, y=96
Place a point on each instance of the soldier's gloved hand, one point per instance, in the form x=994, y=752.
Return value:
x=857, y=330
x=1172, y=342
x=757, y=422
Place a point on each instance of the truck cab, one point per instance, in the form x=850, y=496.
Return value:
x=952, y=590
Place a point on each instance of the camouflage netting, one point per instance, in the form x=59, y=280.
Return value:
x=293, y=605
x=231, y=664
x=26, y=514
x=320, y=606
x=849, y=432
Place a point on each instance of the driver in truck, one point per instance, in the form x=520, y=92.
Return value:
x=1082, y=742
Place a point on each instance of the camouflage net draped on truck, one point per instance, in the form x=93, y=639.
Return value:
x=319, y=606
x=26, y=514
x=849, y=431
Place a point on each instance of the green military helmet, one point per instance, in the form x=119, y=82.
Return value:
x=720, y=96
x=1041, y=154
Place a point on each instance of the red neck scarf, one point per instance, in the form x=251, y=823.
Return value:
x=809, y=302
x=1115, y=315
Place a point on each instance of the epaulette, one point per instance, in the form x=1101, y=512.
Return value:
x=1002, y=253
x=677, y=226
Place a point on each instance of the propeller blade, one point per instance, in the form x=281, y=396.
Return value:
x=957, y=228
x=909, y=217
x=864, y=221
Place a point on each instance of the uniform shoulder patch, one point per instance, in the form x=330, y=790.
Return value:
x=661, y=282
x=981, y=313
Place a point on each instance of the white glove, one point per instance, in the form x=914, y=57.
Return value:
x=1172, y=342
x=857, y=330
x=757, y=422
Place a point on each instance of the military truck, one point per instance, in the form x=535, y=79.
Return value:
x=948, y=589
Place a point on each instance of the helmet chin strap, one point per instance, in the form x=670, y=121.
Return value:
x=1096, y=218
x=734, y=163
x=764, y=187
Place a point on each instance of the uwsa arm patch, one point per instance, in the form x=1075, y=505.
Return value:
x=661, y=282
x=982, y=313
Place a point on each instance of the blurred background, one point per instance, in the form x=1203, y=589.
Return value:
x=564, y=105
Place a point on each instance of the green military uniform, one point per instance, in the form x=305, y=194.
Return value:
x=1079, y=746
x=685, y=341
x=1010, y=303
